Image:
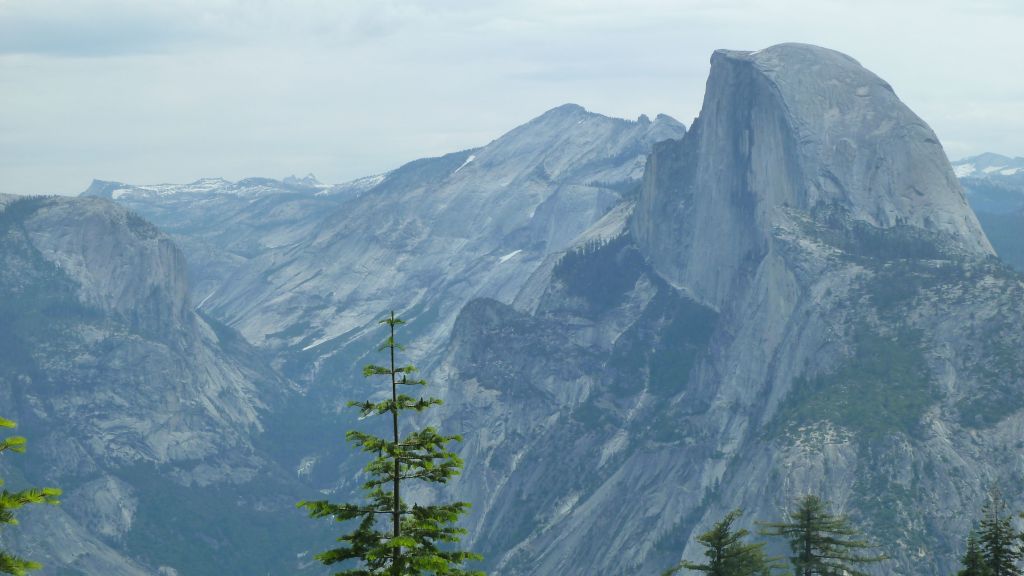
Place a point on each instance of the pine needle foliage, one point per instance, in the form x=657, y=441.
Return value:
x=11, y=501
x=973, y=560
x=999, y=540
x=822, y=543
x=727, y=553
x=390, y=537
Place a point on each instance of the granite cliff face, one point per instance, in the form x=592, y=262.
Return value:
x=305, y=273
x=436, y=232
x=223, y=225
x=793, y=296
x=125, y=393
x=798, y=129
x=801, y=301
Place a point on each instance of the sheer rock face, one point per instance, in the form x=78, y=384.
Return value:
x=306, y=271
x=800, y=302
x=122, y=264
x=792, y=127
x=308, y=274
x=130, y=334
x=439, y=231
x=108, y=370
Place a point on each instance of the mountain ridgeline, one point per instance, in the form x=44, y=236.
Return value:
x=146, y=412
x=196, y=443
x=995, y=189
x=636, y=329
x=800, y=300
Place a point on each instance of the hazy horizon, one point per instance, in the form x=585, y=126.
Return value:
x=176, y=91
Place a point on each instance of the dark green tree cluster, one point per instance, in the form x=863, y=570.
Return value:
x=11, y=501
x=822, y=544
x=727, y=552
x=389, y=536
x=996, y=548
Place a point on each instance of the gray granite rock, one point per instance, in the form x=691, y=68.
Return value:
x=802, y=301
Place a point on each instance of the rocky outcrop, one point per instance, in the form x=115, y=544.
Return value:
x=304, y=273
x=222, y=225
x=802, y=301
x=439, y=231
x=111, y=375
x=792, y=127
x=795, y=298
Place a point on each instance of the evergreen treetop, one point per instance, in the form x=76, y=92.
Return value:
x=999, y=540
x=727, y=553
x=11, y=501
x=822, y=543
x=391, y=537
x=973, y=560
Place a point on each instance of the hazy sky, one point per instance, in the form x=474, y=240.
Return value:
x=175, y=90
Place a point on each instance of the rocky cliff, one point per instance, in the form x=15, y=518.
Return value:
x=304, y=273
x=793, y=128
x=792, y=297
x=436, y=232
x=126, y=394
x=801, y=301
x=222, y=225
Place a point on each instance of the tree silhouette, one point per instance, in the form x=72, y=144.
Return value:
x=391, y=537
x=822, y=543
x=11, y=501
x=727, y=553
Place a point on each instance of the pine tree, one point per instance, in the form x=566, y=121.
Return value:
x=822, y=543
x=392, y=538
x=727, y=553
x=1000, y=541
x=973, y=560
x=11, y=501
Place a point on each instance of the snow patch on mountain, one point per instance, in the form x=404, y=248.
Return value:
x=962, y=170
x=464, y=164
x=508, y=256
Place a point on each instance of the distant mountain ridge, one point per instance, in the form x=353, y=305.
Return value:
x=995, y=188
x=988, y=165
x=126, y=394
x=482, y=218
x=800, y=301
x=553, y=177
x=206, y=186
x=792, y=296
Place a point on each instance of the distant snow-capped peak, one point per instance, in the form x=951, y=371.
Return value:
x=988, y=165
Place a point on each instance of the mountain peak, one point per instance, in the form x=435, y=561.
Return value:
x=565, y=110
x=102, y=188
x=991, y=158
x=562, y=138
x=307, y=181
x=852, y=144
x=989, y=165
x=794, y=131
x=789, y=53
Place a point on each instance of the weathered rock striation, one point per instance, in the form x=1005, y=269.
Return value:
x=801, y=301
x=123, y=390
x=795, y=298
x=792, y=128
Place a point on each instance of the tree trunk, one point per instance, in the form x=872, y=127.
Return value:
x=397, y=512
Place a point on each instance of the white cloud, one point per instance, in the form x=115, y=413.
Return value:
x=179, y=89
